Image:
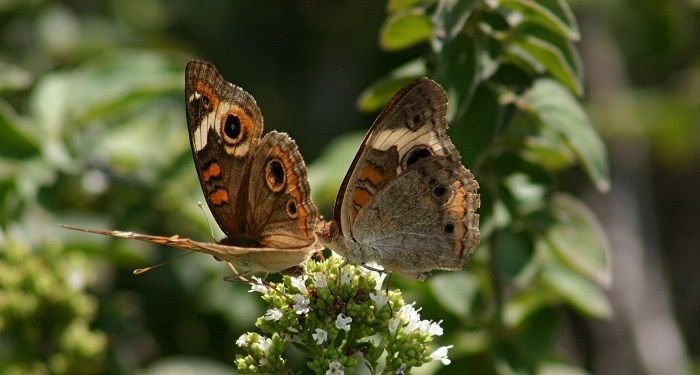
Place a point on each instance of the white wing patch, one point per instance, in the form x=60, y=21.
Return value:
x=199, y=138
x=406, y=139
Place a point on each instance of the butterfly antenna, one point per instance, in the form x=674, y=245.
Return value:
x=237, y=276
x=206, y=218
x=139, y=271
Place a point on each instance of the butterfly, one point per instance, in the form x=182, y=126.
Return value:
x=407, y=202
x=255, y=186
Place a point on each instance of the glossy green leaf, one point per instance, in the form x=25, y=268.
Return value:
x=578, y=238
x=455, y=291
x=555, y=15
x=380, y=91
x=547, y=148
x=556, y=108
x=450, y=17
x=546, y=51
x=403, y=30
x=15, y=142
x=578, y=292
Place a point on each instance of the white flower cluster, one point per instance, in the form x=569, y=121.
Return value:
x=410, y=317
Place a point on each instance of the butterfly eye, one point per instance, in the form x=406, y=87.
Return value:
x=439, y=191
x=416, y=154
x=274, y=175
x=292, y=209
x=232, y=127
x=448, y=228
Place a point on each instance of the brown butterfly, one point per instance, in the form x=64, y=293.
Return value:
x=407, y=202
x=255, y=186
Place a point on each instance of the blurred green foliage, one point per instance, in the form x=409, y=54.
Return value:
x=92, y=133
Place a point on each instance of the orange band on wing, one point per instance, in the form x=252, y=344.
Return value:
x=372, y=174
x=361, y=196
x=207, y=91
x=293, y=187
x=214, y=170
x=219, y=197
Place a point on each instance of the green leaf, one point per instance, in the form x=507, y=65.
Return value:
x=578, y=292
x=403, y=30
x=555, y=15
x=455, y=291
x=556, y=108
x=547, y=148
x=544, y=51
x=15, y=142
x=513, y=251
x=476, y=129
x=450, y=17
x=578, y=238
x=380, y=91
x=538, y=336
x=519, y=308
x=458, y=72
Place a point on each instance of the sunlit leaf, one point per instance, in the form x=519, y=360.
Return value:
x=404, y=30
x=578, y=238
x=380, y=91
x=451, y=16
x=13, y=77
x=546, y=51
x=555, y=107
x=578, y=292
x=555, y=15
x=455, y=291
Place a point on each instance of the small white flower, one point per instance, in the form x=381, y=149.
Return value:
x=335, y=368
x=299, y=283
x=402, y=369
x=273, y=314
x=241, y=342
x=264, y=344
x=258, y=286
x=394, y=324
x=343, y=322
x=379, y=277
x=320, y=336
x=435, y=329
x=345, y=277
x=379, y=299
x=301, y=304
x=320, y=280
x=441, y=355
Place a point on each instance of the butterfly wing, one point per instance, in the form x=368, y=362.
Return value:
x=411, y=127
x=246, y=259
x=225, y=126
x=281, y=214
x=428, y=218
